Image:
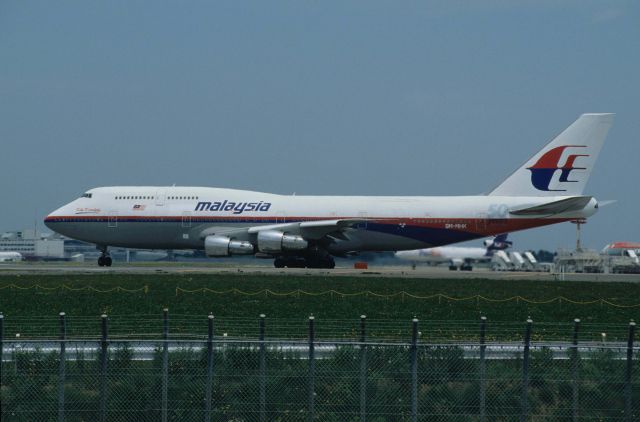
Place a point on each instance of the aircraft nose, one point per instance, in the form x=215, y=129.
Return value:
x=54, y=217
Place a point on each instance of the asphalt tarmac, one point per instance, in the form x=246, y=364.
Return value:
x=25, y=268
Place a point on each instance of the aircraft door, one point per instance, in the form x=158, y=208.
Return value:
x=363, y=215
x=481, y=223
x=186, y=219
x=280, y=217
x=113, y=219
x=160, y=197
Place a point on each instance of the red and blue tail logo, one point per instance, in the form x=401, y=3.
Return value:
x=543, y=170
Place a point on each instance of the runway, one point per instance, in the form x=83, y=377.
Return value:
x=62, y=268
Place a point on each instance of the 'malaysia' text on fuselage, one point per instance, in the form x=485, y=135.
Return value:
x=236, y=207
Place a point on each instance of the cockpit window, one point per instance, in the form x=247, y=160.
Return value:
x=87, y=195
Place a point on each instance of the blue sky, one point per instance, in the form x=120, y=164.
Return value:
x=352, y=98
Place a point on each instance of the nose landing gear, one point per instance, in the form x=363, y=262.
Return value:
x=104, y=260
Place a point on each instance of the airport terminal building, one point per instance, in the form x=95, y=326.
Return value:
x=33, y=244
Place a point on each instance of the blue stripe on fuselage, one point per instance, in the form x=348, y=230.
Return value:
x=432, y=235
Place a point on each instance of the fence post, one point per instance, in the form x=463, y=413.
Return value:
x=574, y=370
x=103, y=370
x=628, y=408
x=165, y=362
x=483, y=369
x=62, y=368
x=363, y=369
x=208, y=389
x=414, y=371
x=312, y=368
x=525, y=372
x=263, y=370
x=1, y=356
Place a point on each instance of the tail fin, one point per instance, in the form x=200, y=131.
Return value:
x=501, y=242
x=563, y=166
x=498, y=243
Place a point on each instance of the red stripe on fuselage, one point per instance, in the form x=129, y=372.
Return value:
x=483, y=227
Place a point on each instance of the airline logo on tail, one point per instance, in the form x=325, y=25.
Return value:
x=543, y=170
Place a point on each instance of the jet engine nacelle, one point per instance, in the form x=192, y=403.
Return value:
x=271, y=241
x=224, y=246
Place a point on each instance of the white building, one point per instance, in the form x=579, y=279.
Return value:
x=30, y=243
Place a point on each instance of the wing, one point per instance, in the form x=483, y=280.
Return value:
x=311, y=230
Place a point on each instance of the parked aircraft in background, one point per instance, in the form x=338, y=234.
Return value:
x=10, y=256
x=308, y=230
x=456, y=257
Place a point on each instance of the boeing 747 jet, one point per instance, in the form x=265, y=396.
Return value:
x=309, y=230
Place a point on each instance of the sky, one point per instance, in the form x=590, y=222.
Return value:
x=314, y=97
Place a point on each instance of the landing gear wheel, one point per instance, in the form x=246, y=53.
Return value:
x=325, y=263
x=104, y=260
x=278, y=263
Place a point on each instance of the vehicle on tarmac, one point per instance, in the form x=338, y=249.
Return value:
x=622, y=257
x=547, y=189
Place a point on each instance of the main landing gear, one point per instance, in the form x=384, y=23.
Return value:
x=304, y=262
x=104, y=260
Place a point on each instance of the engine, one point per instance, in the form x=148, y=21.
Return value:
x=271, y=241
x=224, y=246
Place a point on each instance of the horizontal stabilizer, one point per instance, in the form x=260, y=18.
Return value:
x=556, y=207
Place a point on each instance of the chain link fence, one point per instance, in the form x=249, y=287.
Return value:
x=220, y=378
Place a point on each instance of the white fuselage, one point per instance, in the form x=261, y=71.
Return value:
x=444, y=254
x=10, y=256
x=181, y=217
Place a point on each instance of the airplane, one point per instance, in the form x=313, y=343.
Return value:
x=308, y=231
x=457, y=257
x=10, y=256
